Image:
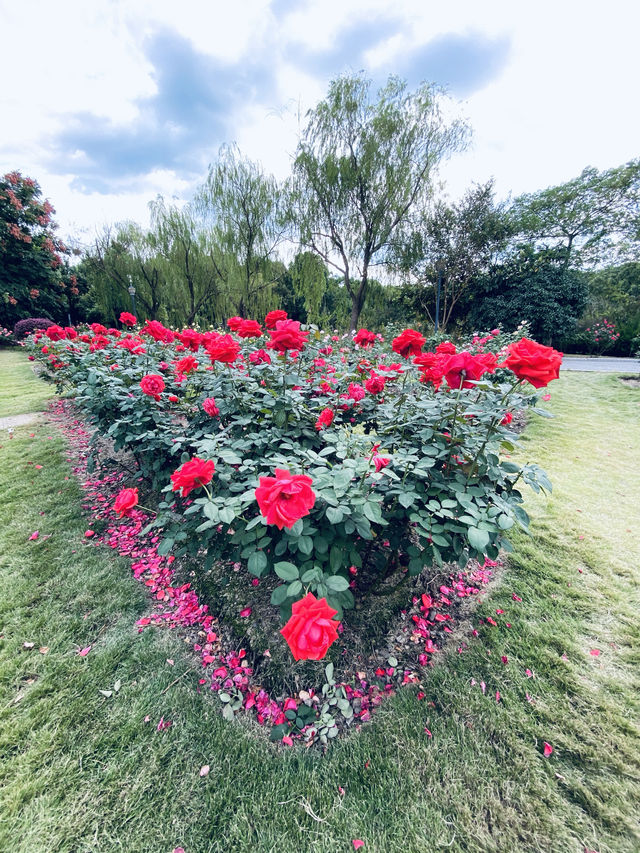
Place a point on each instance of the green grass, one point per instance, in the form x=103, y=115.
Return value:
x=19, y=393
x=80, y=772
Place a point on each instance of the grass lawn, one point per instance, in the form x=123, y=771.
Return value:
x=80, y=771
x=19, y=392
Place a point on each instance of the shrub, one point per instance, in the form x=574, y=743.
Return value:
x=26, y=327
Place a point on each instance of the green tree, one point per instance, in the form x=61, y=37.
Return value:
x=465, y=240
x=591, y=218
x=31, y=255
x=241, y=208
x=530, y=285
x=363, y=166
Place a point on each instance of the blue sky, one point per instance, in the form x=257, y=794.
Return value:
x=113, y=102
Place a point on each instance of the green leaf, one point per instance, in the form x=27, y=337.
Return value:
x=337, y=583
x=305, y=545
x=286, y=571
x=257, y=563
x=405, y=499
x=335, y=558
x=334, y=514
x=294, y=589
x=279, y=594
x=227, y=514
x=478, y=539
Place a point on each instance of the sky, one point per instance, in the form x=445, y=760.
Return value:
x=108, y=104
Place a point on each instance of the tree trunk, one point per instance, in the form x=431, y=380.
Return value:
x=357, y=302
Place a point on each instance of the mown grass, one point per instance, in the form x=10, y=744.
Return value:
x=82, y=772
x=19, y=393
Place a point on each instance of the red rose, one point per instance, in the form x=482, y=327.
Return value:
x=56, y=333
x=285, y=498
x=249, y=329
x=534, y=362
x=446, y=348
x=325, y=419
x=125, y=502
x=173, y=398
x=98, y=329
x=223, y=349
x=506, y=419
x=430, y=366
x=70, y=333
x=234, y=323
x=380, y=462
x=462, y=369
x=192, y=475
x=152, y=385
x=158, y=332
x=209, y=405
x=99, y=342
x=260, y=356
x=375, y=384
x=355, y=392
x=272, y=318
x=364, y=338
x=311, y=629
x=128, y=319
x=408, y=343
x=190, y=338
x=287, y=336
x=186, y=364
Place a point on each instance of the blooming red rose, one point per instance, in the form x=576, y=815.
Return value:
x=98, y=329
x=234, y=323
x=192, y=475
x=190, y=338
x=209, y=405
x=325, y=419
x=70, y=333
x=125, y=502
x=186, y=364
x=158, y=332
x=99, y=342
x=287, y=336
x=249, y=329
x=375, y=384
x=272, y=318
x=430, y=367
x=380, y=462
x=356, y=392
x=408, y=343
x=446, y=348
x=56, y=333
x=364, y=338
x=462, y=369
x=128, y=319
x=114, y=333
x=506, y=420
x=223, y=349
x=533, y=361
x=285, y=498
x=260, y=356
x=311, y=629
x=152, y=385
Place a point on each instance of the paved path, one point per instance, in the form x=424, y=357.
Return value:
x=12, y=421
x=603, y=364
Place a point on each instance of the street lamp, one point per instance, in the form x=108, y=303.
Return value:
x=132, y=294
x=440, y=269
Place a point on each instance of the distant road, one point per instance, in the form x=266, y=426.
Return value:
x=602, y=364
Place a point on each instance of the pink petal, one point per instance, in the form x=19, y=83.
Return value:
x=204, y=770
x=548, y=749
x=246, y=612
x=595, y=653
x=89, y=533
x=357, y=844
x=84, y=652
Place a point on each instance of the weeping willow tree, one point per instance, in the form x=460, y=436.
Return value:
x=195, y=269
x=240, y=208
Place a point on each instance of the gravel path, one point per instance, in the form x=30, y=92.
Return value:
x=17, y=420
x=602, y=364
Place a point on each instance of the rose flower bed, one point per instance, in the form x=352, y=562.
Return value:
x=335, y=471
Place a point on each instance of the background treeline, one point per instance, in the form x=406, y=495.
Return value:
x=358, y=235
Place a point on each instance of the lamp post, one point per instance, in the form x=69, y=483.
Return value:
x=440, y=268
x=132, y=294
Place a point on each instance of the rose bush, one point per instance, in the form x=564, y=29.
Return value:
x=386, y=457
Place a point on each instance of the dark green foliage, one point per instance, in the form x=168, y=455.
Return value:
x=532, y=286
